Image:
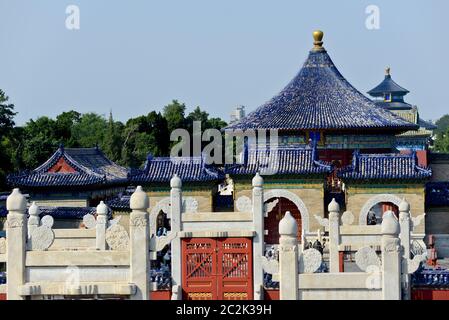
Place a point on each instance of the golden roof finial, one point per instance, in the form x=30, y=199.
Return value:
x=318, y=37
x=387, y=71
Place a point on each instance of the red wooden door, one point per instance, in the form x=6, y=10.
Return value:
x=199, y=269
x=234, y=280
x=217, y=269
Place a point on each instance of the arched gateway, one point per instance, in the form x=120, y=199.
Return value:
x=388, y=202
x=277, y=203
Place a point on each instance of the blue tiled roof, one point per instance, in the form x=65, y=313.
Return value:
x=162, y=169
x=91, y=166
x=426, y=277
x=319, y=97
x=387, y=86
x=384, y=167
x=120, y=203
x=426, y=124
x=282, y=161
x=69, y=212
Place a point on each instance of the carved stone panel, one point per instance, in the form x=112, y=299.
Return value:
x=138, y=221
x=366, y=257
x=189, y=205
x=244, y=204
x=41, y=238
x=347, y=218
x=117, y=238
x=310, y=261
x=47, y=221
x=89, y=221
x=15, y=222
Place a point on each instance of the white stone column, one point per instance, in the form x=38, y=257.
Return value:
x=139, y=244
x=391, y=258
x=176, y=226
x=102, y=224
x=34, y=218
x=16, y=237
x=258, y=239
x=404, y=235
x=288, y=258
x=334, y=236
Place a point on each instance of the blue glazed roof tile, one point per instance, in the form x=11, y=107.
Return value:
x=162, y=169
x=280, y=161
x=319, y=97
x=384, y=167
x=91, y=165
x=120, y=203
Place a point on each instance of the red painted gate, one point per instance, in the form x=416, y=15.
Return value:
x=217, y=269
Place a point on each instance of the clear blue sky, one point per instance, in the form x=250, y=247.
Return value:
x=136, y=56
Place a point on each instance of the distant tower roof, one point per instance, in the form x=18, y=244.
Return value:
x=388, y=86
x=319, y=97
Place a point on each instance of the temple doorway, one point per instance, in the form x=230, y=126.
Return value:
x=276, y=208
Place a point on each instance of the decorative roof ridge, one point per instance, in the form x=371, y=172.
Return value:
x=62, y=153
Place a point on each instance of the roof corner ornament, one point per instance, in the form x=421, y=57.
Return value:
x=318, y=37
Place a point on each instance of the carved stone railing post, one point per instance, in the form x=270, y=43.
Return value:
x=258, y=240
x=176, y=210
x=34, y=218
x=102, y=224
x=16, y=237
x=334, y=236
x=404, y=235
x=139, y=244
x=288, y=258
x=391, y=258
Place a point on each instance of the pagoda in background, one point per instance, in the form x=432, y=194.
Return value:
x=389, y=95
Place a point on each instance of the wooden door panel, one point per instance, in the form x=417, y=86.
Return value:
x=217, y=269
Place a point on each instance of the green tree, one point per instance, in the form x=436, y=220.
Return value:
x=63, y=127
x=6, y=127
x=6, y=114
x=174, y=113
x=442, y=142
x=39, y=141
x=112, y=144
x=442, y=124
x=90, y=130
x=143, y=135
